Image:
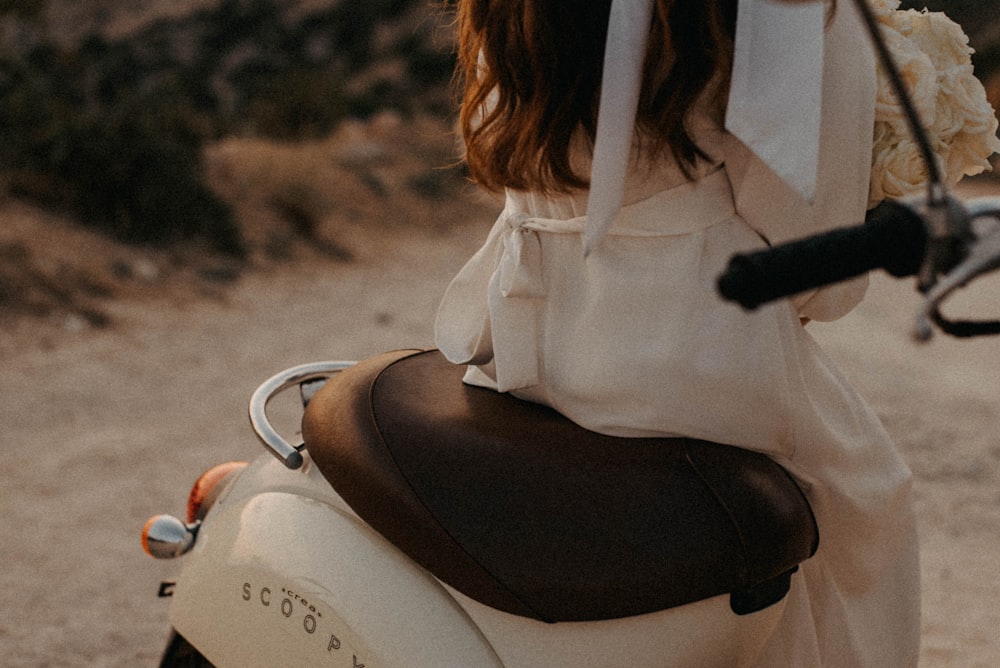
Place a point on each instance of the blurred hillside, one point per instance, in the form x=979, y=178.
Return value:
x=105, y=106
x=199, y=135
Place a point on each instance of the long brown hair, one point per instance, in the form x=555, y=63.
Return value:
x=530, y=73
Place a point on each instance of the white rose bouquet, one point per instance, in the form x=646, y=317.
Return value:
x=934, y=59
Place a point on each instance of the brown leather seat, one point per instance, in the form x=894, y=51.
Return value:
x=520, y=509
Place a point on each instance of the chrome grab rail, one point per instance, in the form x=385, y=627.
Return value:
x=289, y=455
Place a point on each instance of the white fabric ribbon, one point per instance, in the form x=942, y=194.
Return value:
x=776, y=93
x=520, y=270
x=508, y=269
x=774, y=101
x=621, y=83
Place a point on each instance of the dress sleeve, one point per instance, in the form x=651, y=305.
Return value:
x=780, y=214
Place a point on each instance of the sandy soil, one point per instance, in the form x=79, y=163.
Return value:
x=103, y=428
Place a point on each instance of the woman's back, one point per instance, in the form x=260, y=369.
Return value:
x=633, y=341
x=607, y=331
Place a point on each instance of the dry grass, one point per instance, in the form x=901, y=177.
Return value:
x=380, y=173
x=336, y=199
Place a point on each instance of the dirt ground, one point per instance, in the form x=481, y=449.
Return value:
x=102, y=427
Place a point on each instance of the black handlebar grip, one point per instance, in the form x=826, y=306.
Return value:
x=893, y=238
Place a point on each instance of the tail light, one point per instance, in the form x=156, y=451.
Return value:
x=166, y=537
x=207, y=488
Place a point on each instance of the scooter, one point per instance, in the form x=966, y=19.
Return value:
x=423, y=522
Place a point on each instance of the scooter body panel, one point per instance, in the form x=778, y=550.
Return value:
x=705, y=634
x=283, y=574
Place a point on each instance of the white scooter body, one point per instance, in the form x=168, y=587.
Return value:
x=283, y=573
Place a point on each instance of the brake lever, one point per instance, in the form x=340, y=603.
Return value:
x=984, y=207
x=959, y=257
x=949, y=235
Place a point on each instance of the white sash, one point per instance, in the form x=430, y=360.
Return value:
x=774, y=103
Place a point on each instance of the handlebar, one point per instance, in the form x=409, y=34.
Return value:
x=939, y=244
x=892, y=238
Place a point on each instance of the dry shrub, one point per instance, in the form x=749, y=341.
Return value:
x=376, y=175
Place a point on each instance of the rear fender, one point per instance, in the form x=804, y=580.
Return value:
x=281, y=578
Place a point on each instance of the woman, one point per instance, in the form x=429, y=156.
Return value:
x=611, y=318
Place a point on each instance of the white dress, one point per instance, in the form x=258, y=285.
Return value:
x=634, y=341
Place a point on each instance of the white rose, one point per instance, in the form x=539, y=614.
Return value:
x=950, y=117
x=883, y=136
x=897, y=171
x=919, y=78
x=884, y=141
x=965, y=94
x=883, y=7
x=968, y=154
x=943, y=40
